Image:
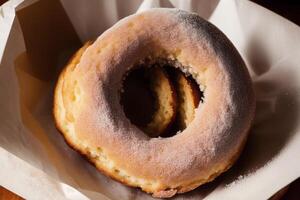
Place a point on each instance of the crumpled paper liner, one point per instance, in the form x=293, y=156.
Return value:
x=37, y=38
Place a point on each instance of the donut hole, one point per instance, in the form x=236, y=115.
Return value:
x=159, y=97
x=137, y=99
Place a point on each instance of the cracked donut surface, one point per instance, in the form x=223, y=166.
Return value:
x=87, y=106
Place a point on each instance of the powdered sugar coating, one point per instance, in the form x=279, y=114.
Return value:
x=211, y=142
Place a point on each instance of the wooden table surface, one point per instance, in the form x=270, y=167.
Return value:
x=289, y=9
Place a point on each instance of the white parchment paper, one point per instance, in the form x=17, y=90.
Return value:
x=38, y=36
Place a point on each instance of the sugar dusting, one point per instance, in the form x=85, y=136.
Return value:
x=205, y=147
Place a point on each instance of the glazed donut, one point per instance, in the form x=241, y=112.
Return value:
x=88, y=112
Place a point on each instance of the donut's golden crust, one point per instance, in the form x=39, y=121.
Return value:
x=88, y=113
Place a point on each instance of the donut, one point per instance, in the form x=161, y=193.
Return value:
x=88, y=112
